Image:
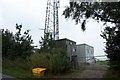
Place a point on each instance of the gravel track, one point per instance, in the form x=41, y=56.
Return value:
x=94, y=71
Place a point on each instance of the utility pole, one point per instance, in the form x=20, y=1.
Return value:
x=52, y=20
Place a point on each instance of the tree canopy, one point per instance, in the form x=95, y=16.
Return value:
x=112, y=37
x=47, y=43
x=99, y=11
x=16, y=45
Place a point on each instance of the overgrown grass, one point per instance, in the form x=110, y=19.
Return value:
x=18, y=73
x=56, y=63
x=18, y=68
x=74, y=73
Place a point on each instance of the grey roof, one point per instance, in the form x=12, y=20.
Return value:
x=66, y=40
x=84, y=44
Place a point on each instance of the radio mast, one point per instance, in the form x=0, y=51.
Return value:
x=51, y=20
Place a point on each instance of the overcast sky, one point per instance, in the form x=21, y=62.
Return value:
x=31, y=14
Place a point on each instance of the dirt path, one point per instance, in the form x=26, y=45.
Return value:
x=94, y=71
x=91, y=71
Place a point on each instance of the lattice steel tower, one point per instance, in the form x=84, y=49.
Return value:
x=51, y=20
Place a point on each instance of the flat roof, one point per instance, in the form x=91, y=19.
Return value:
x=84, y=44
x=65, y=39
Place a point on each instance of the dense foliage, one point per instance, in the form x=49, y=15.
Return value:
x=47, y=43
x=56, y=62
x=17, y=45
x=100, y=11
x=112, y=36
x=54, y=59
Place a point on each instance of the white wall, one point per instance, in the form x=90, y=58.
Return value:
x=85, y=53
x=89, y=51
x=80, y=50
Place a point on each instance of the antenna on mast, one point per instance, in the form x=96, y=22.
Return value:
x=52, y=19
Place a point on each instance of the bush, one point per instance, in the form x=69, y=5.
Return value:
x=60, y=62
x=39, y=60
x=55, y=62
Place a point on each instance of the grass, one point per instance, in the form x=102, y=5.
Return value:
x=15, y=69
x=106, y=62
x=19, y=69
x=18, y=73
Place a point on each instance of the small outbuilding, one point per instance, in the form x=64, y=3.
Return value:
x=77, y=54
x=85, y=54
x=70, y=47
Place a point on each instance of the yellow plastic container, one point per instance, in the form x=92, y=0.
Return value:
x=38, y=71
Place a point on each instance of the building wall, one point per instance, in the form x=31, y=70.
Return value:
x=85, y=54
x=71, y=48
x=89, y=52
x=68, y=45
x=80, y=50
x=78, y=54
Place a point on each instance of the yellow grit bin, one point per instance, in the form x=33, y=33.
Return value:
x=38, y=71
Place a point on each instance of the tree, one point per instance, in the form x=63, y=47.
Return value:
x=112, y=36
x=7, y=41
x=83, y=11
x=100, y=11
x=17, y=45
x=47, y=43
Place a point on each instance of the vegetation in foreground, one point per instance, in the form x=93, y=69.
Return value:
x=56, y=63
x=19, y=56
x=20, y=68
x=16, y=68
x=105, y=62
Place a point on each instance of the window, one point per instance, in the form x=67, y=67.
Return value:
x=74, y=49
x=66, y=46
x=70, y=43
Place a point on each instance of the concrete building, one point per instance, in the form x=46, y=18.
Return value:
x=68, y=45
x=77, y=54
x=85, y=54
